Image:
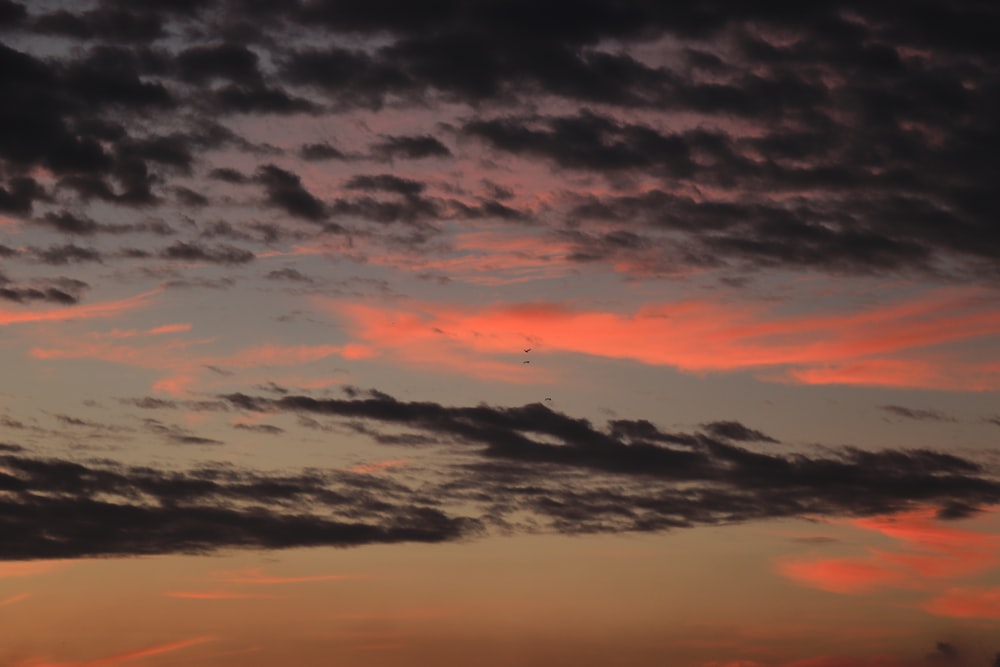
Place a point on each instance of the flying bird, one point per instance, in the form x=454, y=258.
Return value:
x=547, y=398
x=525, y=362
x=528, y=350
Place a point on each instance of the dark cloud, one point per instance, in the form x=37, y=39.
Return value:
x=944, y=652
x=19, y=194
x=285, y=191
x=289, y=274
x=188, y=197
x=385, y=183
x=843, y=137
x=352, y=78
x=590, y=141
x=11, y=12
x=732, y=430
x=266, y=429
x=233, y=62
x=260, y=99
x=175, y=434
x=324, y=151
x=107, y=509
x=221, y=254
x=66, y=254
x=228, y=175
x=918, y=414
x=693, y=478
x=110, y=23
x=410, y=147
x=63, y=291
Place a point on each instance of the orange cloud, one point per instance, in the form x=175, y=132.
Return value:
x=866, y=347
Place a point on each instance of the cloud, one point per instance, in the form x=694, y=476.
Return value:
x=222, y=254
x=725, y=480
x=410, y=147
x=874, y=346
x=85, y=311
x=933, y=553
x=285, y=191
x=61, y=290
x=110, y=509
x=918, y=414
x=526, y=468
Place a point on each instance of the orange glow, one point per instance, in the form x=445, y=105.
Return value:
x=31, y=568
x=837, y=661
x=218, y=595
x=696, y=336
x=14, y=599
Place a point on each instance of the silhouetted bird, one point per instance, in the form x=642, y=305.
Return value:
x=528, y=350
x=547, y=398
x=525, y=362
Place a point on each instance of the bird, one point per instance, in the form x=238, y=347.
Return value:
x=527, y=350
x=525, y=362
x=547, y=398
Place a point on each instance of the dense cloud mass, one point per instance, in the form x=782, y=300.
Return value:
x=842, y=137
x=523, y=468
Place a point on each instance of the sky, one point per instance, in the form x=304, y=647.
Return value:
x=497, y=332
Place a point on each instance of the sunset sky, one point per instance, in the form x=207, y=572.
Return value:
x=379, y=333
